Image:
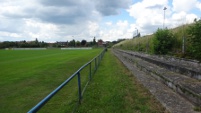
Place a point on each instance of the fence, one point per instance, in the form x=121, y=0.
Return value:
x=96, y=62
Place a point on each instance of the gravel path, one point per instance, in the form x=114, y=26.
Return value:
x=173, y=102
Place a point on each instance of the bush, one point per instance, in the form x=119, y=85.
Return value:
x=194, y=40
x=163, y=41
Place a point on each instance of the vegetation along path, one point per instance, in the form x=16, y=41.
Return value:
x=113, y=89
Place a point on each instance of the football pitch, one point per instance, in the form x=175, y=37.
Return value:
x=27, y=76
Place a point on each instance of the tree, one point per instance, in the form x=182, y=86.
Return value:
x=78, y=43
x=90, y=43
x=36, y=41
x=139, y=35
x=163, y=41
x=94, y=41
x=194, y=40
x=83, y=43
x=43, y=44
x=72, y=43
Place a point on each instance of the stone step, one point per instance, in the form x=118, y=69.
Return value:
x=189, y=68
x=185, y=86
x=173, y=102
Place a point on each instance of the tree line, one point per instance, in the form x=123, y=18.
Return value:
x=23, y=44
x=74, y=43
x=41, y=44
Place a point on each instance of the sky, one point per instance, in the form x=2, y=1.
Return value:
x=109, y=20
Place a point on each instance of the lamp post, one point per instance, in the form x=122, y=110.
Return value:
x=164, y=17
x=183, y=40
x=137, y=32
x=134, y=33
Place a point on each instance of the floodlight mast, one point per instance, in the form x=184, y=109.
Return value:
x=164, y=17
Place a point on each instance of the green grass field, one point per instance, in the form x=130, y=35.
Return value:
x=27, y=76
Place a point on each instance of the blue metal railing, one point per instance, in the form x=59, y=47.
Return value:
x=97, y=60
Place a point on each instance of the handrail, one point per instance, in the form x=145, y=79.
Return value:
x=48, y=97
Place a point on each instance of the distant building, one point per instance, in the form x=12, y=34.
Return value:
x=62, y=44
x=101, y=43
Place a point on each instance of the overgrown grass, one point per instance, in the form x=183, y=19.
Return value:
x=27, y=76
x=114, y=89
x=145, y=43
x=137, y=44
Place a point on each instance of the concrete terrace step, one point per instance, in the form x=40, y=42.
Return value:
x=173, y=102
x=185, y=67
x=185, y=86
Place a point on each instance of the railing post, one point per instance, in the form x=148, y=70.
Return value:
x=90, y=71
x=98, y=59
x=95, y=63
x=79, y=87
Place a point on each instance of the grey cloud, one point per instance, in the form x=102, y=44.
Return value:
x=72, y=11
x=69, y=11
x=59, y=3
x=16, y=15
x=57, y=12
x=11, y=25
x=157, y=6
x=24, y=12
x=65, y=15
x=111, y=7
x=74, y=15
x=81, y=10
x=150, y=28
x=65, y=11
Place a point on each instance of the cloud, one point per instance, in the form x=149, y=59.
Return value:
x=93, y=28
x=149, y=15
x=108, y=23
x=73, y=12
x=198, y=5
x=55, y=20
x=111, y=7
x=183, y=5
x=61, y=2
x=18, y=9
x=120, y=29
x=66, y=11
x=51, y=20
x=156, y=6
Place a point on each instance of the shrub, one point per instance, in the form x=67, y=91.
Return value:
x=163, y=41
x=194, y=40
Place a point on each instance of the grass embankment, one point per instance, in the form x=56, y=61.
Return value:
x=145, y=43
x=137, y=44
x=113, y=89
x=27, y=76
